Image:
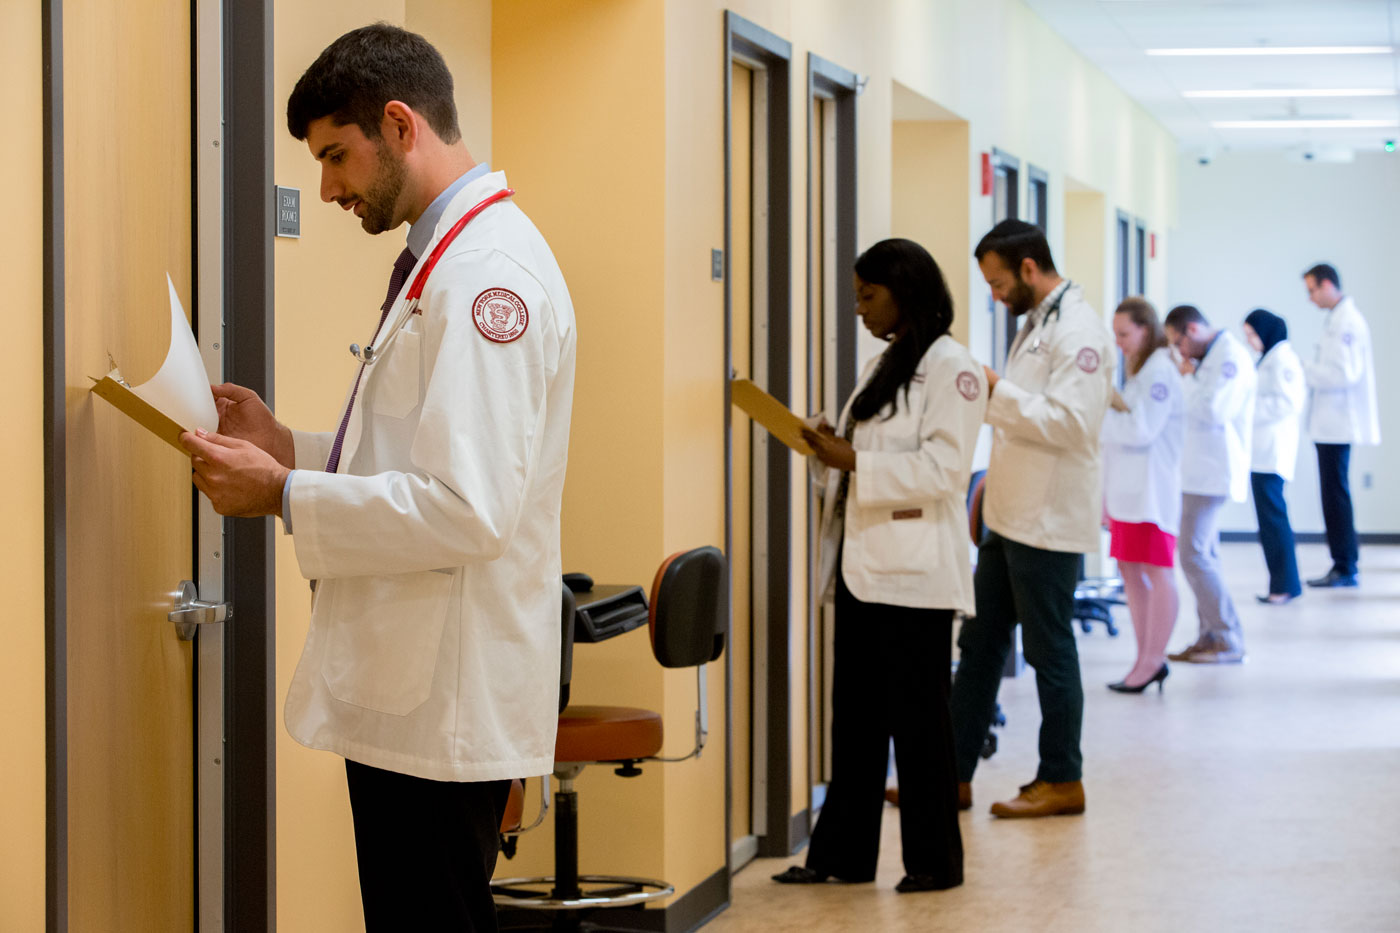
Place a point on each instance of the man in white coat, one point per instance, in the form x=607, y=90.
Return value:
x=1343, y=412
x=429, y=521
x=1041, y=508
x=1219, y=389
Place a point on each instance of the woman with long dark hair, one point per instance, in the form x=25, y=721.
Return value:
x=894, y=554
x=1278, y=416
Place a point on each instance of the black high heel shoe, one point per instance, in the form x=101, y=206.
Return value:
x=1159, y=678
x=798, y=874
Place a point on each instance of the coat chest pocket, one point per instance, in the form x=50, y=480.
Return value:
x=396, y=375
x=383, y=639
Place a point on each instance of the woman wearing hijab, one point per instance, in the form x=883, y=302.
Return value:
x=1278, y=412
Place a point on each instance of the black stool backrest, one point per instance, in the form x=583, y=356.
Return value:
x=566, y=648
x=687, y=613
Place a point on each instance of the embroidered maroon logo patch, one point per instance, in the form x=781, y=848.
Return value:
x=1159, y=391
x=904, y=514
x=1088, y=360
x=968, y=387
x=500, y=315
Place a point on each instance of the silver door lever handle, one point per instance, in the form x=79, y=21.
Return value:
x=190, y=611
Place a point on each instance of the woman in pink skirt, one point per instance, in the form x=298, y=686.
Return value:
x=1142, y=440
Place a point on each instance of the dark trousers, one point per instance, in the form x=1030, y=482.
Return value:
x=1019, y=583
x=1276, y=534
x=891, y=678
x=426, y=850
x=1333, y=467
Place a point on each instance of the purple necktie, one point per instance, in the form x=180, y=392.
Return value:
x=402, y=267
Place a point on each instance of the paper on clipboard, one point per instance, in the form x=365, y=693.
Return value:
x=177, y=398
x=772, y=414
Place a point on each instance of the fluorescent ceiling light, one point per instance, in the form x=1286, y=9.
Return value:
x=1296, y=92
x=1302, y=124
x=1281, y=50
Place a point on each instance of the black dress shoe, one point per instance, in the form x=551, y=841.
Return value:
x=911, y=883
x=1334, y=578
x=799, y=874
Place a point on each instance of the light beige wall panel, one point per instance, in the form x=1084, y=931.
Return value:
x=22, y=484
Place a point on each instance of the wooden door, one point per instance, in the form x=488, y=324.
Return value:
x=128, y=221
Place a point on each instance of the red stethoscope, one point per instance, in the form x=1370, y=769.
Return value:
x=415, y=291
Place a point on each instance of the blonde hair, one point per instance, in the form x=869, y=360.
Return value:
x=1140, y=311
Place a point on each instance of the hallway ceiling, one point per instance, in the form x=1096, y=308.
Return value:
x=1116, y=35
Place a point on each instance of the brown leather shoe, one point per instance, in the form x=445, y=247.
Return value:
x=1204, y=643
x=964, y=795
x=1043, y=798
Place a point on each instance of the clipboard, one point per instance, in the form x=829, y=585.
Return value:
x=177, y=398
x=770, y=413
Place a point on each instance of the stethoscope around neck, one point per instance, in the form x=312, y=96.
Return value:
x=368, y=355
x=1053, y=312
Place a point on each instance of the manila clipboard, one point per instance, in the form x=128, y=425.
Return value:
x=177, y=398
x=772, y=414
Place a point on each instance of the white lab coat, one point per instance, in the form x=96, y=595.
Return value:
x=1278, y=411
x=904, y=538
x=1046, y=412
x=1142, y=447
x=1219, y=421
x=1342, y=380
x=434, y=640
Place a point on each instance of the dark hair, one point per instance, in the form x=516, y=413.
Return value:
x=925, y=314
x=1271, y=328
x=1015, y=241
x=1140, y=312
x=359, y=73
x=1182, y=316
x=1323, y=272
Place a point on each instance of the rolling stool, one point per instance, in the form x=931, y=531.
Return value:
x=687, y=625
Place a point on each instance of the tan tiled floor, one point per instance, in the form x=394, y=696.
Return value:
x=1259, y=797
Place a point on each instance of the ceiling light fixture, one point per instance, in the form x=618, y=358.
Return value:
x=1302, y=124
x=1296, y=92
x=1281, y=50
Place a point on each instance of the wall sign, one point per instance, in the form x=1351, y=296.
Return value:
x=288, y=211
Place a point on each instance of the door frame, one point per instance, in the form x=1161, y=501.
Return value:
x=827, y=82
x=746, y=42
x=244, y=843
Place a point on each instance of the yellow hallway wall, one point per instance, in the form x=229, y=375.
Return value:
x=329, y=284
x=577, y=112
x=22, y=765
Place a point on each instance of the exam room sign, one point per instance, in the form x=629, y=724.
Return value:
x=288, y=211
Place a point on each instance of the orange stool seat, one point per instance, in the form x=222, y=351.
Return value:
x=607, y=733
x=514, y=814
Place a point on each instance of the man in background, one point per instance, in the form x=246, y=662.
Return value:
x=1219, y=384
x=1342, y=384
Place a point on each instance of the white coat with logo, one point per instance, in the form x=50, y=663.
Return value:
x=904, y=538
x=1278, y=411
x=1046, y=412
x=1142, y=447
x=434, y=640
x=1342, y=380
x=1219, y=421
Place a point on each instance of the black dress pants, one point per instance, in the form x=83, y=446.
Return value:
x=1333, y=466
x=1276, y=534
x=891, y=678
x=426, y=850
